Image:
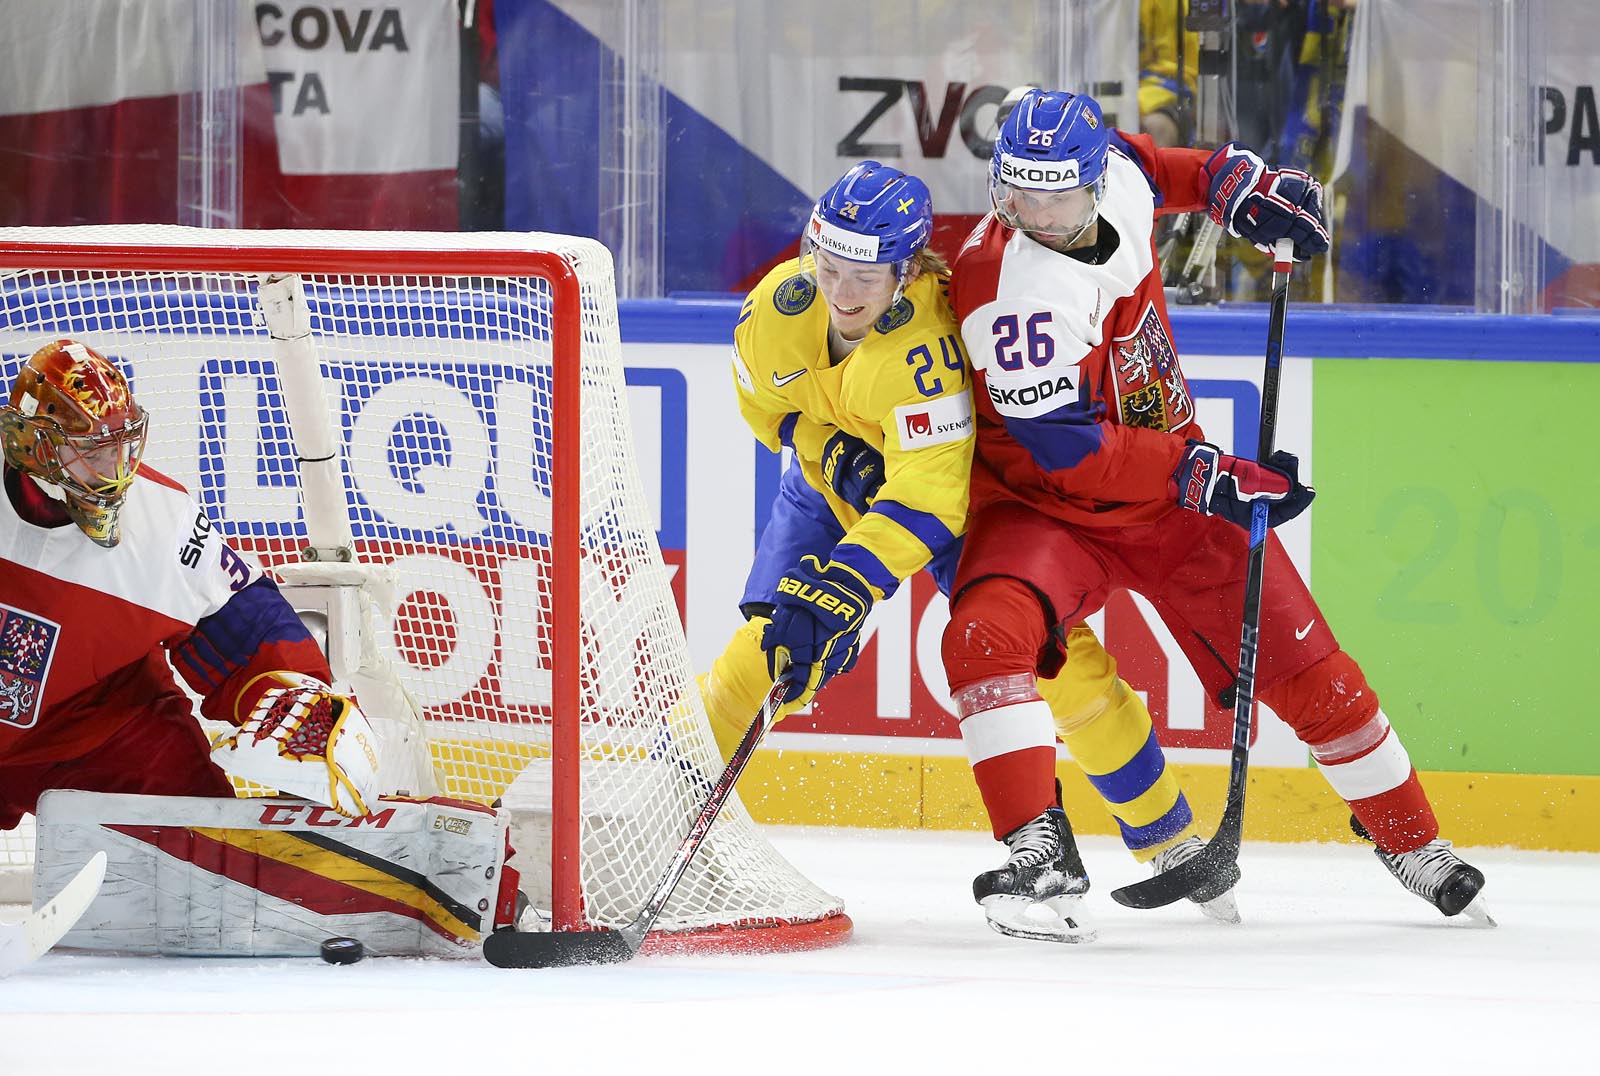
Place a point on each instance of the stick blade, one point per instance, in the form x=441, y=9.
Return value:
x=1171, y=886
x=562, y=949
x=25, y=942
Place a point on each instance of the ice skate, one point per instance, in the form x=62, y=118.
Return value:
x=1038, y=893
x=1437, y=875
x=1216, y=897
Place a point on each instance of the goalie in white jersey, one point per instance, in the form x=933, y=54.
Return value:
x=852, y=359
x=111, y=577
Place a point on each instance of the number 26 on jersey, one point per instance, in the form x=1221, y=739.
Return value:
x=1016, y=340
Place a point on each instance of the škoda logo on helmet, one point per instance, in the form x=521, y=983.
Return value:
x=1035, y=174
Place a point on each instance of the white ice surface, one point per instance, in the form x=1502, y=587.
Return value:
x=1335, y=970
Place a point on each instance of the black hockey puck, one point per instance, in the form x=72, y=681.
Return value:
x=343, y=951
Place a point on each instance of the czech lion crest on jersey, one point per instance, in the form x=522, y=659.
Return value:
x=27, y=643
x=1151, y=392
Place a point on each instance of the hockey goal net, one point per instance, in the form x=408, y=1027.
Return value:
x=426, y=438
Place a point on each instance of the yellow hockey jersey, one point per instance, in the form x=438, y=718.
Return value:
x=905, y=390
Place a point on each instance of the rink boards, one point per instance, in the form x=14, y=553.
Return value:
x=1450, y=549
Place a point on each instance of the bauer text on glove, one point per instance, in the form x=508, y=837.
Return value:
x=1263, y=205
x=1213, y=484
x=816, y=623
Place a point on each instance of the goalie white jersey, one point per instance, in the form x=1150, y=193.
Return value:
x=84, y=627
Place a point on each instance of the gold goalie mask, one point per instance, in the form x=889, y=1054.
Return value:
x=72, y=422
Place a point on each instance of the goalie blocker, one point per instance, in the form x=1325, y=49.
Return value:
x=276, y=877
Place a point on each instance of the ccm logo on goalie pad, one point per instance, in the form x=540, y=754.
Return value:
x=938, y=422
x=314, y=814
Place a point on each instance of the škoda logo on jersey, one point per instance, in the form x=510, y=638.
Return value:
x=27, y=643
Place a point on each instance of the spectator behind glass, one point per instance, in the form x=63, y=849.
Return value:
x=1167, y=72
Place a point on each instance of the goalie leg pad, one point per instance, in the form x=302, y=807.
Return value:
x=275, y=877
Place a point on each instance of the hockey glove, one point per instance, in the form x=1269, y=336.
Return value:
x=1212, y=484
x=853, y=468
x=1263, y=205
x=816, y=625
x=302, y=738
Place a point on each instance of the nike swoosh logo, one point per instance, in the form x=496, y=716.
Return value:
x=779, y=382
x=1301, y=633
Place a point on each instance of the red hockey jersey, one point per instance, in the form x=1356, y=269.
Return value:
x=1078, y=386
x=86, y=633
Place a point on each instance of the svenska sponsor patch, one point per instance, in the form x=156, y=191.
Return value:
x=935, y=422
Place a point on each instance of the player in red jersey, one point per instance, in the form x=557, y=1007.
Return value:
x=110, y=577
x=1092, y=473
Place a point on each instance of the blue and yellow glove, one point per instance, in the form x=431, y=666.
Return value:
x=816, y=625
x=853, y=468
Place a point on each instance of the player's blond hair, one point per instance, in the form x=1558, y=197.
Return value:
x=928, y=260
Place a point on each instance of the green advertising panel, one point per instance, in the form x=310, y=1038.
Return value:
x=1456, y=552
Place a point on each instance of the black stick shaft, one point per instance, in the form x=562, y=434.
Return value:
x=1250, y=629
x=508, y=949
x=708, y=814
x=1223, y=848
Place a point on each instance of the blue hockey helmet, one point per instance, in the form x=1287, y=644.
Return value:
x=1052, y=143
x=874, y=213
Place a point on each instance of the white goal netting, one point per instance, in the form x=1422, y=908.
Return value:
x=428, y=371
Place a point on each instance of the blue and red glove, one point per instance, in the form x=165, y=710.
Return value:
x=1263, y=205
x=816, y=626
x=1213, y=484
x=853, y=468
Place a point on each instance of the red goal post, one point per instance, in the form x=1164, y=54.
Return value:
x=427, y=433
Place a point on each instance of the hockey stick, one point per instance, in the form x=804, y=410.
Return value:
x=511, y=949
x=1223, y=849
x=24, y=942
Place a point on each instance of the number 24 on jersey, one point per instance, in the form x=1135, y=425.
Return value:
x=922, y=358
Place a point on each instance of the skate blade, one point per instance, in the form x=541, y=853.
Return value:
x=1057, y=919
x=1223, y=909
x=1478, y=913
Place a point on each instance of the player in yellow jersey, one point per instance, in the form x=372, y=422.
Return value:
x=853, y=359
